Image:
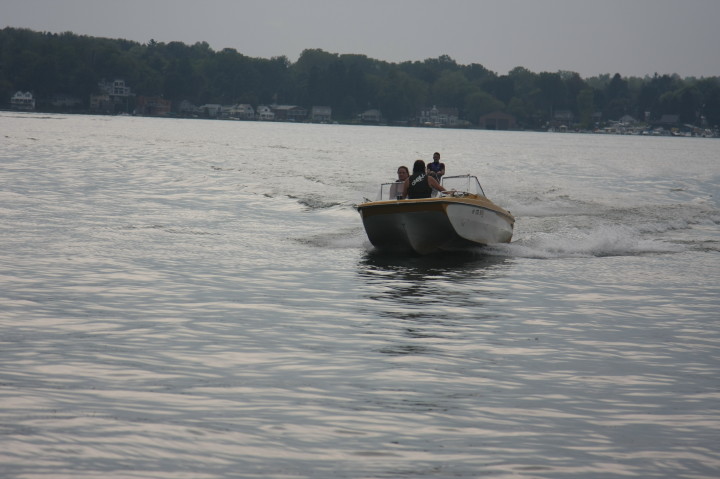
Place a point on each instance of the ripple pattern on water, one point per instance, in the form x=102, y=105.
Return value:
x=197, y=299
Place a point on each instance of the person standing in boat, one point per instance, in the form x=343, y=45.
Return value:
x=436, y=169
x=420, y=184
x=397, y=189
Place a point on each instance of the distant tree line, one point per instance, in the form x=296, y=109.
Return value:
x=49, y=64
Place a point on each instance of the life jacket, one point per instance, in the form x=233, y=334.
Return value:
x=419, y=186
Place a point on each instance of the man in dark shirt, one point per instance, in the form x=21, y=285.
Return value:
x=436, y=169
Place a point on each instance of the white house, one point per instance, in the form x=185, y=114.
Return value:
x=439, y=116
x=115, y=88
x=264, y=113
x=114, y=97
x=241, y=111
x=22, y=101
x=371, y=116
x=210, y=110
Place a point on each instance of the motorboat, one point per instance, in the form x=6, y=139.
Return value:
x=459, y=218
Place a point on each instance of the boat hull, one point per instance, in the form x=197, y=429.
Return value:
x=436, y=224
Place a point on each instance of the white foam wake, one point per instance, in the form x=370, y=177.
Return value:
x=600, y=241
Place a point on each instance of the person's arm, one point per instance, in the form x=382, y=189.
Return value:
x=406, y=187
x=434, y=183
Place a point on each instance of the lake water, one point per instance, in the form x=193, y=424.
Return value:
x=198, y=299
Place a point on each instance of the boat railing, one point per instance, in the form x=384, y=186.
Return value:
x=460, y=184
x=463, y=183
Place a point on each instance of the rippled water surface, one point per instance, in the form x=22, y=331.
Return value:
x=197, y=299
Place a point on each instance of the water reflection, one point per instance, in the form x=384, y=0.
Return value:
x=456, y=264
x=431, y=277
x=424, y=304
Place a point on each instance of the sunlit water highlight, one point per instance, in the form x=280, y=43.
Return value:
x=198, y=299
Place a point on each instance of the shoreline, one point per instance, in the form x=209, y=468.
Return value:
x=614, y=129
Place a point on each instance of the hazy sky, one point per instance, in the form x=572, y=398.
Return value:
x=591, y=37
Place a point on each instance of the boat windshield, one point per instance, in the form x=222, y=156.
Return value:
x=390, y=191
x=464, y=184
x=461, y=184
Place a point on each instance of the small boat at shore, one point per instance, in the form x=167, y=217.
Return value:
x=460, y=218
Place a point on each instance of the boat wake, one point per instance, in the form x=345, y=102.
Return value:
x=595, y=230
x=342, y=239
x=602, y=241
x=315, y=202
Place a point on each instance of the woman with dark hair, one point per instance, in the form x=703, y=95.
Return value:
x=420, y=185
x=397, y=188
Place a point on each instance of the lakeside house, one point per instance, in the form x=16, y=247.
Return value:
x=289, y=112
x=497, y=120
x=210, y=110
x=668, y=121
x=113, y=97
x=442, y=117
x=240, y=111
x=117, y=97
x=321, y=114
x=371, y=116
x=22, y=101
x=153, y=106
x=116, y=88
x=264, y=113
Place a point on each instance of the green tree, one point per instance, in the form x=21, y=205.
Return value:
x=431, y=69
x=525, y=105
x=275, y=78
x=710, y=89
x=502, y=88
x=519, y=110
x=586, y=107
x=450, y=88
x=552, y=94
x=401, y=96
x=479, y=103
x=690, y=104
x=573, y=86
x=617, y=98
x=48, y=64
